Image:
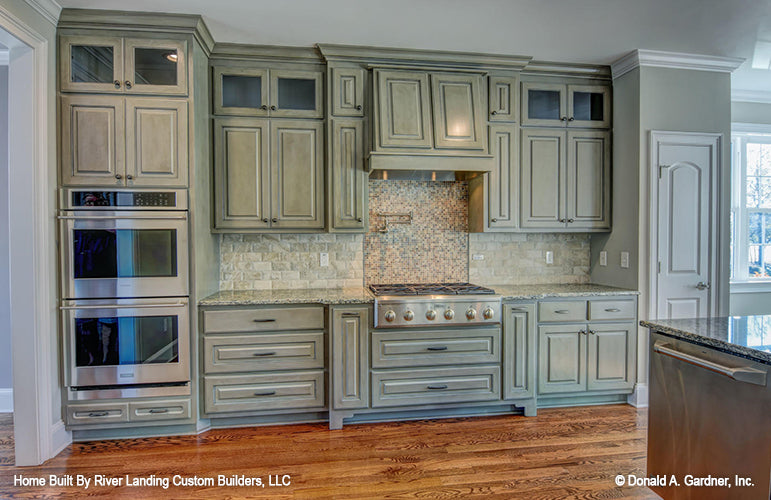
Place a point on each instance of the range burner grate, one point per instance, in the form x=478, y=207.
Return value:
x=430, y=289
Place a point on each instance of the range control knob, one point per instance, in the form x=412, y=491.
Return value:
x=390, y=316
x=408, y=315
x=471, y=314
x=449, y=314
x=431, y=314
x=488, y=313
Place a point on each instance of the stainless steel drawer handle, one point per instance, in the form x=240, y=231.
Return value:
x=264, y=320
x=742, y=373
x=98, y=414
x=613, y=310
x=159, y=410
x=350, y=315
x=437, y=387
x=518, y=309
x=122, y=306
x=437, y=348
x=267, y=393
x=562, y=311
x=271, y=353
x=114, y=217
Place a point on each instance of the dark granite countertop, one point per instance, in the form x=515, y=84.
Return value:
x=745, y=336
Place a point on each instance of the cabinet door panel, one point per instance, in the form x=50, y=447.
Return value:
x=297, y=181
x=350, y=357
x=503, y=99
x=241, y=173
x=349, y=181
x=588, y=179
x=155, y=66
x=518, y=351
x=458, y=110
x=589, y=106
x=404, y=118
x=240, y=91
x=156, y=141
x=93, y=140
x=91, y=64
x=503, y=180
x=347, y=91
x=543, y=178
x=544, y=104
x=561, y=359
x=611, y=356
x=296, y=94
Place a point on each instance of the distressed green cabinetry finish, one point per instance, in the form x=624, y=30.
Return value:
x=458, y=109
x=519, y=352
x=562, y=358
x=611, y=356
x=347, y=200
x=349, y=360
x=124, y=141
x=503, y=95
x=560, y=105
x=404, y=109
x=588, y=180
x=543, y=178
x=347, y=90
x=493, y=198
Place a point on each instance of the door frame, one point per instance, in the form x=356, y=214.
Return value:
x=715, y=141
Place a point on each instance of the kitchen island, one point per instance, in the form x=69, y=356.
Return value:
x=709, y=433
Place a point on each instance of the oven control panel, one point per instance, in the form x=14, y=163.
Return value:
x=394, y=313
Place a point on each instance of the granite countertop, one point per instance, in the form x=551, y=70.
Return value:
x=745, y=336
x=531, y=292
x=327, y=296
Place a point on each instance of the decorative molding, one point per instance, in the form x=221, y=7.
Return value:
x=5, y=57
x=49, y=9
x=60, y=438
x=677, y=60
x=242, y=51
x=639, y=398
x=6, y=400
x=567, y=69
x=760, y=96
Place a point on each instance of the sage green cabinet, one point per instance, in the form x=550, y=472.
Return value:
x=347, y=200
x=494, y=197
x=565, y=179
x=123, y=141
x=560, y=105
x=122, y=65
x=268, y=174
x=519, y=351
x=611, y=356
x=458, y=108
x=261, y=91
x=561, y=358
x=403, y=109
x=350, y=357
x=347, y=95
x=503, y=95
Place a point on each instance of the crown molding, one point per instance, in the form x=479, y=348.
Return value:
x=761, y=96
x=567, y=69
x=49, y=9
x=5, y=57
x=676, y=60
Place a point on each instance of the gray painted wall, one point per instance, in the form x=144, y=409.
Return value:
x=6, y=371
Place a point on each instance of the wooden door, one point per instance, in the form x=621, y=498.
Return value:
x=297, y=174
x=544, y=104
x=518, y=351
x=156, y=142
x=403, y=109
x=458, y=111
x=91, y=64
x=241, y=173
x=561, y=358
x=543, y=178
x=348, y=200
x=153, y=66
x=503, y=96
x=350, y=357
x=93, y=140
x=588, y=179
x=347, y=91
x=503, y=180
x=611, y=356
x=296, y=94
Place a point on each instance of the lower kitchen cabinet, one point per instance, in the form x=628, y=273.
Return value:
x=350, y=357
x=93, y=415
x=519, y=351
x=270, y=391
x=420, y=386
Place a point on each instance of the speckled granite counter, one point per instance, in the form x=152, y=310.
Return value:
x=534, y=292
x=327, y=296
x=745, y=336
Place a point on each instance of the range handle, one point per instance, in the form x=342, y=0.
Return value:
x=741, y=373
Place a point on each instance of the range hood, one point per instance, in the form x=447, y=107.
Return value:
x=435, y=161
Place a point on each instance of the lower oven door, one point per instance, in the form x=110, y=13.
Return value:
x=126, y=342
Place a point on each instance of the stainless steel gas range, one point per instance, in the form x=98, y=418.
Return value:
x=435, y=304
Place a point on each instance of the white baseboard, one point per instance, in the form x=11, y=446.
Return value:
x=6, y=400
x=60, y=438
x=639, y=398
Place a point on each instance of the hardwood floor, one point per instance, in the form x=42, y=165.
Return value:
x=6, y=439
x=570, y=453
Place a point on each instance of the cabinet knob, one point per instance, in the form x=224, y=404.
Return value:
x=273, y=108
x=128, y=84
x=561, y=220
x=274, y=220
x=570, y=220
x=581, y=332
x=265, y=220
x=564, y=119
x=116, y=83
x=129, y=177
x=493, y=112
x=358, y=107
x=493, y=220
x=359, y=219
x=571, y=119
x=264, y=107
x=118, y=176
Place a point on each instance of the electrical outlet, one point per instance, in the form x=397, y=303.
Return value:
x=604, y=258
x=324, y=259
x=478, y=256
x=549, y=257
x=625, y=260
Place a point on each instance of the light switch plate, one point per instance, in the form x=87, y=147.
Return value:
x=324, y=259
x=549, y=257
x=604, y=258
x=625, y=260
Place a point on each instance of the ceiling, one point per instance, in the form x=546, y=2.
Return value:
x=584, y=31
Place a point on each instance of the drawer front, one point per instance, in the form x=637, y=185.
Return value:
x=105, y=413
x=432, y=386
x=432, y=348
x=159, y=410
x=612, y=309
x=277, y=351
x=230, y=393
x=261, y=320
x=568, y=310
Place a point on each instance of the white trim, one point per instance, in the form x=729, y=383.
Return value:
x=677, y=60
x=760, y=96
x=60, y=438
x=5, y=57
x=750, y=128
x=750, y=286
x=6, y=400
x=639, y=398
x=49, y=9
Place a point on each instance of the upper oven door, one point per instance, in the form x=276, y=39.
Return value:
x=114, y=254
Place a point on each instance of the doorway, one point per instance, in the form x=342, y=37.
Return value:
x=6, y=359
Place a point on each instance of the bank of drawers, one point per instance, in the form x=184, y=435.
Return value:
x=586, y=310
x=120, y=412
x=259, y=359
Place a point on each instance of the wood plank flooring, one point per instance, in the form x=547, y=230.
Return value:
x=570, y=453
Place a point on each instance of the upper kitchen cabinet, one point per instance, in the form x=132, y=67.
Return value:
x=123, y=65
x=347, y=96
x=261, y=91
x=503, y=95
x=561, y=105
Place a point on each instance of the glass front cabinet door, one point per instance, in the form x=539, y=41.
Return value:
x=558, y=105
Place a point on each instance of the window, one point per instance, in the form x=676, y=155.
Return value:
x=751, y=204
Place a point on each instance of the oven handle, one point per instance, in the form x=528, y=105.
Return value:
x=123, y=306
x=113, y=217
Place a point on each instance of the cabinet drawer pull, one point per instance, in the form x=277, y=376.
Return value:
x=159, y=410
x=271, y=353
x=264, y=320
x=437, y=348
x=562, y=311
x=437, y=387
x=350, y=315
x=98, y=414
x=518, y=309
x=266, y=393
x=613, y=310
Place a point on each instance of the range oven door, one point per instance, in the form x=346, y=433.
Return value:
x=126, y=342
x=108, y=254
